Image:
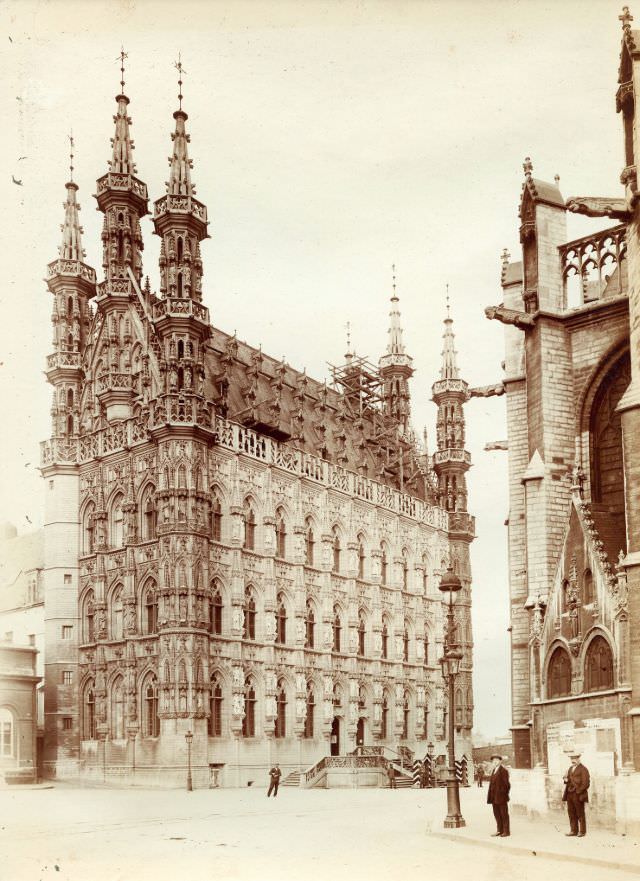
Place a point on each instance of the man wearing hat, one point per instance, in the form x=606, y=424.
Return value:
x=498, y=796
x=576, y=795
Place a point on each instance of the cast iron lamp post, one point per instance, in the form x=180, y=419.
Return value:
x=451, y=584
x=189, y=738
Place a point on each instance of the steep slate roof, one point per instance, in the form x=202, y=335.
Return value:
x=287, y=404
x=512, y=274
x=542, y=191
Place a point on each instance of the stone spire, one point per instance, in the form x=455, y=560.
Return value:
x=179, y=218
x=181, y=222
x=71, y=247
x=449, y=369
x=395, y=347
x=450, y=393
x=72, y=284
x=122, y=198
x=179, y=183
x=396, y=367
x=122, y=157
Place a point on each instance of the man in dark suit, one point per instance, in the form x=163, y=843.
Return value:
x=498, y=797
x=576, y=795
x=275, y=773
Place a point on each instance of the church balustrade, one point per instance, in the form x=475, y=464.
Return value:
x=64, y=359
x=594, y=259
x=71, y=267
x=182, y=307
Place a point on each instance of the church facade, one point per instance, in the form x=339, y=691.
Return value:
x=571, y=311
x=233, y=550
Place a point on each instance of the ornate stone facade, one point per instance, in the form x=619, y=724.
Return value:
x=242, y=552
x=570, y=312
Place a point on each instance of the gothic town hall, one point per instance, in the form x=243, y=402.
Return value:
x=232, y=548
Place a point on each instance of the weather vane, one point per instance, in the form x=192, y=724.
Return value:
x=178, y=66
x=71, y=156
x=393, y=270
x=447, y=298
x=121, y=59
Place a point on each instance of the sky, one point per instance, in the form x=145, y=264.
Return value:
x=330, y=140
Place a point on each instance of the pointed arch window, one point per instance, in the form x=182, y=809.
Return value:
x=151, y=720
x=385, y=640
x=405, y=570
x=598, y=665
x=311, y=707
x=426, y=647
x=149, y=517
x=337, y=629
x=281, y=711
x=405, y=716
x=215, y=611
x=249, y=720
x=361, y=556
x=182, y=477
x=587, y=587
x=559, y=674
x=458, y=704
x=384, y=564
x=309, y=542
x=215, y=708
x=281, y=621
x=216, y=519
x=405, y=642
x=425, y=575
x=384, y=717
x=151, y=608
x=281, y=535
x=89, y=529
x=117, y=709
x=361, y=633
x=336, y=550
x=249, y=527
x=117, y=614
x=89, y=715
x=309, y=626
x=117, y=522
x=249, y=615
x=88, y=617
x=565, y=595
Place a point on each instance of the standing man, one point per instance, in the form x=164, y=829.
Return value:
x=391, y=774
x=498, y=797
x=479, y=774
x=275, y=774
x=576, y=795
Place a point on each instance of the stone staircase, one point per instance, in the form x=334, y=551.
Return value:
x=292, y=779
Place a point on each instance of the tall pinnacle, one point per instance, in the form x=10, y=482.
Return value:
x=71, y=247
x=395, y=346
x=122, y=157
x=449, y=369
x=179, y=183
x=395, y=355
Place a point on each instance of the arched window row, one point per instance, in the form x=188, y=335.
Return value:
x=599, y=674
x=116, y=709
x=146, y=612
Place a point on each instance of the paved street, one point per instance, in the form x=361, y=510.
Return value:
x=237, y=835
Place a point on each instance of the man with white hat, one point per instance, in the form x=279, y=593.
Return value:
x=576, y=795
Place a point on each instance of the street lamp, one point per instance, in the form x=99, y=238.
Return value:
x=189, y=738
x=451, y=584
